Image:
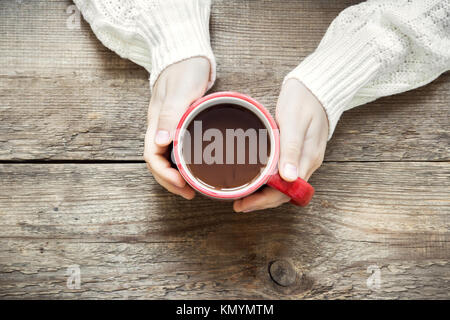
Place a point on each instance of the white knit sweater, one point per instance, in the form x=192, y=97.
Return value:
x=373, y=49
x=152, y=33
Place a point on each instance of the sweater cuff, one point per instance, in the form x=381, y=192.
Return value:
x=176, y=31
x=120, y=37
x=336, y=71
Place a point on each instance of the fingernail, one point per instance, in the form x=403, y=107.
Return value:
x=290, y=171
x=162, y=137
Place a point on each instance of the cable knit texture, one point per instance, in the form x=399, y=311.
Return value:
x=377, y=48
x=373, y=49
x=152, y=33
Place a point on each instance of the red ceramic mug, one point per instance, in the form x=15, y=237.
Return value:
x=299, y=190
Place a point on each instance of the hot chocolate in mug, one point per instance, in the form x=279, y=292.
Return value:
x=227, y=146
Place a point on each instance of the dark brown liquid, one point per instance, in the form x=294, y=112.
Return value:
x=225, y=175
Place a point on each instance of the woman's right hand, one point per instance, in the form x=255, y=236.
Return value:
x=177, y=87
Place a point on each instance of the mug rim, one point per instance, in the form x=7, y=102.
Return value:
x=256, y=183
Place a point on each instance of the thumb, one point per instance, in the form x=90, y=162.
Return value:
x=169, y=116
x=293, y=126
x=181, y=84
x=291, y=142
x=295, y=117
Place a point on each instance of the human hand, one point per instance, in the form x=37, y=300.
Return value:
x=177, y=87
x=303, y=128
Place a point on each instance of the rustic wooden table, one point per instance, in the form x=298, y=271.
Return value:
x=75, y=190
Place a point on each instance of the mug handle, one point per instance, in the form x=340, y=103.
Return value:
x=300, y=191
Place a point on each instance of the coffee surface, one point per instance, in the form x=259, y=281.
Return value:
x=243, y=169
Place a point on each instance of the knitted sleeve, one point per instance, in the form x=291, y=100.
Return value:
x=377, y=48
x=152, y=33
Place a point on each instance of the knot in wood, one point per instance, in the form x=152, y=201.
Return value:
x=282, y=273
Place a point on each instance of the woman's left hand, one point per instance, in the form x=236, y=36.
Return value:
x=303, y=128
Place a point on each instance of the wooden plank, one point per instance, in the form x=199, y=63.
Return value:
x=66, y=97
x=132, y=239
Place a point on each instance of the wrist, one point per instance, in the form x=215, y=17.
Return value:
x=336, y=71
x=177, y=32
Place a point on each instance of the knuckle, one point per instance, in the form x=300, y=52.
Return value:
x=320, y=158
x=157, y=179
x=291, y=149
x=168, y=105
x=166, y=116
x=316, y=158
x=148, y=160
x=171, y=107
x=157, y=97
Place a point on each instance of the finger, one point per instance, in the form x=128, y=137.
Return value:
x=158, y=164
x=186, y=192
x=264, y=199
x=293, y=128
x=313, y=150
x=169, y=116
x=180, y=91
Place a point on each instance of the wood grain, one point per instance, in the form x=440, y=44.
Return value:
x=66, y=97
x=382, y=197
x=132, y=239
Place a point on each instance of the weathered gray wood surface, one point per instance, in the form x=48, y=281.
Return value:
x=133, y=239
x=382, y=197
